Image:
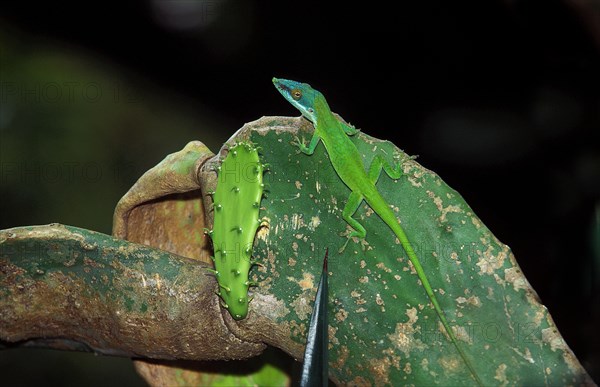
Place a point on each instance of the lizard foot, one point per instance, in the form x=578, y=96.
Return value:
x=297, y=142
x=349, y=237
x=341, y=249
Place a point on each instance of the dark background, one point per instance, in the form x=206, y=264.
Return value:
x=500, y=98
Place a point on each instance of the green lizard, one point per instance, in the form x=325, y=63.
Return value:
x=347, y=162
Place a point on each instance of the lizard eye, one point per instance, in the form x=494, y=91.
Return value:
x=296, y=94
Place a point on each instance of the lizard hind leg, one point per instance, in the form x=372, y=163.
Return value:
x=350, y=208
x=377, y=165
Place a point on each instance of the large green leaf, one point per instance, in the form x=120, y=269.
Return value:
x=382, y=326
x=75, y=284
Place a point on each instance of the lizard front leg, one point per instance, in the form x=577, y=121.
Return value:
x=380, y=163
x=310, y=149
x=349, y=129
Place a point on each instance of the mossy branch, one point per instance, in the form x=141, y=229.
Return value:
x=69, y=288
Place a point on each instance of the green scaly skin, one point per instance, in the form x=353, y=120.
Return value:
x=347, y=162
x=236, y=204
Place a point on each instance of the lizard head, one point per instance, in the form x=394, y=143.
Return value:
x=301, y=95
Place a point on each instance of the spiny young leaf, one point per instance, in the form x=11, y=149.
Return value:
x=237, y=204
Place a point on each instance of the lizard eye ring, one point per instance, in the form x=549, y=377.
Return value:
x=296, y=94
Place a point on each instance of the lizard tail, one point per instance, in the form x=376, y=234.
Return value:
x=388, y=216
